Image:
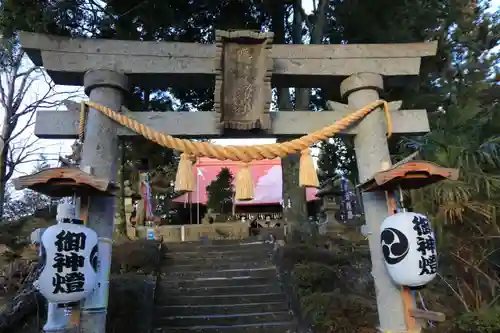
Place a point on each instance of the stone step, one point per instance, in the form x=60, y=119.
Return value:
x=220, y=299
x=202, y=255
x=269, y=271
x=219, y=265
x=224, y=320
x=216, y=242
x=218, y=309
x=218, y=247
x=216, y=282
x=195, y=258
x=285, y=327
x=163, y=291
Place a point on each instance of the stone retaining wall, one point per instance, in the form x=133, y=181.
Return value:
x=132, y=310
x=195, y=232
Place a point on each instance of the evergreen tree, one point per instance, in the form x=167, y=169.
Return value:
x=220, y=192
x=336, y=158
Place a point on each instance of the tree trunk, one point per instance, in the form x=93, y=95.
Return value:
x=5, y=132
x=294, y=211
x=3, y=182
x=278, y=26
x=4, y=178
x=302, y=95
x=294, y=197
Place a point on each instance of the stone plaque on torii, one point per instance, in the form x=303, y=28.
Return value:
x=114, y=65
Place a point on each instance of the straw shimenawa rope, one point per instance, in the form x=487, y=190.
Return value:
x=245, y=154
x=81, y=124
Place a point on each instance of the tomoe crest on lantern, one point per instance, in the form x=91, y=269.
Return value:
x=409, y=248
x=69, y=251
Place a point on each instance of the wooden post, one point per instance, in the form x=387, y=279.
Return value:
x=408, y=301
x=372, y=154
x=100, y=151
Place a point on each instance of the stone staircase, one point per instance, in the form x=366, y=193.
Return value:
x=221, y=286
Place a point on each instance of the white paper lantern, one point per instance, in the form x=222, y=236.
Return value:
x=409, y=249
x=69, y=252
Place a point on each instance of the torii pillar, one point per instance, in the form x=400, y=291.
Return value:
x=100, y=152
x=372, y=155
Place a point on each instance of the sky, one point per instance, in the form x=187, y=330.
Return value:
x=53, y=148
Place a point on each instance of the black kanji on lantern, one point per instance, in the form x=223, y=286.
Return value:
x=75, y=282
x=58, y=283
x=426, y=244
x=68, y=245
x=421, y=225
x=69, y=283
x=70, y=241
x=73, y=261
x=428, y=265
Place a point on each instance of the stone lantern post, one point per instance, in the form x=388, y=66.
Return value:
x=331, y=195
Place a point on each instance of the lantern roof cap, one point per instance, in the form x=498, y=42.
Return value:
x=409, y=175
x=65, y=182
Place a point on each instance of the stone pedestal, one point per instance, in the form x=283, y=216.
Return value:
x=372, y=154
x=332, y=210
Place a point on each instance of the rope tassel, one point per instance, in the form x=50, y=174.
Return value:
x=244, y=184
x=307, y=173
x=184, y=179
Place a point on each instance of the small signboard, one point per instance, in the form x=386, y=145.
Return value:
x=150, y=235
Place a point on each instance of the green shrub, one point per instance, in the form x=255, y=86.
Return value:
x=313, y=277
x=484, y=321
x=339, y=312
x=334, y=286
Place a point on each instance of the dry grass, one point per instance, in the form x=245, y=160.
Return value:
x=140, y=256
x=133, y=265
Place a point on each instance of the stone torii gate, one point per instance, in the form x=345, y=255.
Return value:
x=107, y=68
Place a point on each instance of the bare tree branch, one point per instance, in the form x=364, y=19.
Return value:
x=19, y=131
x=24, y=88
